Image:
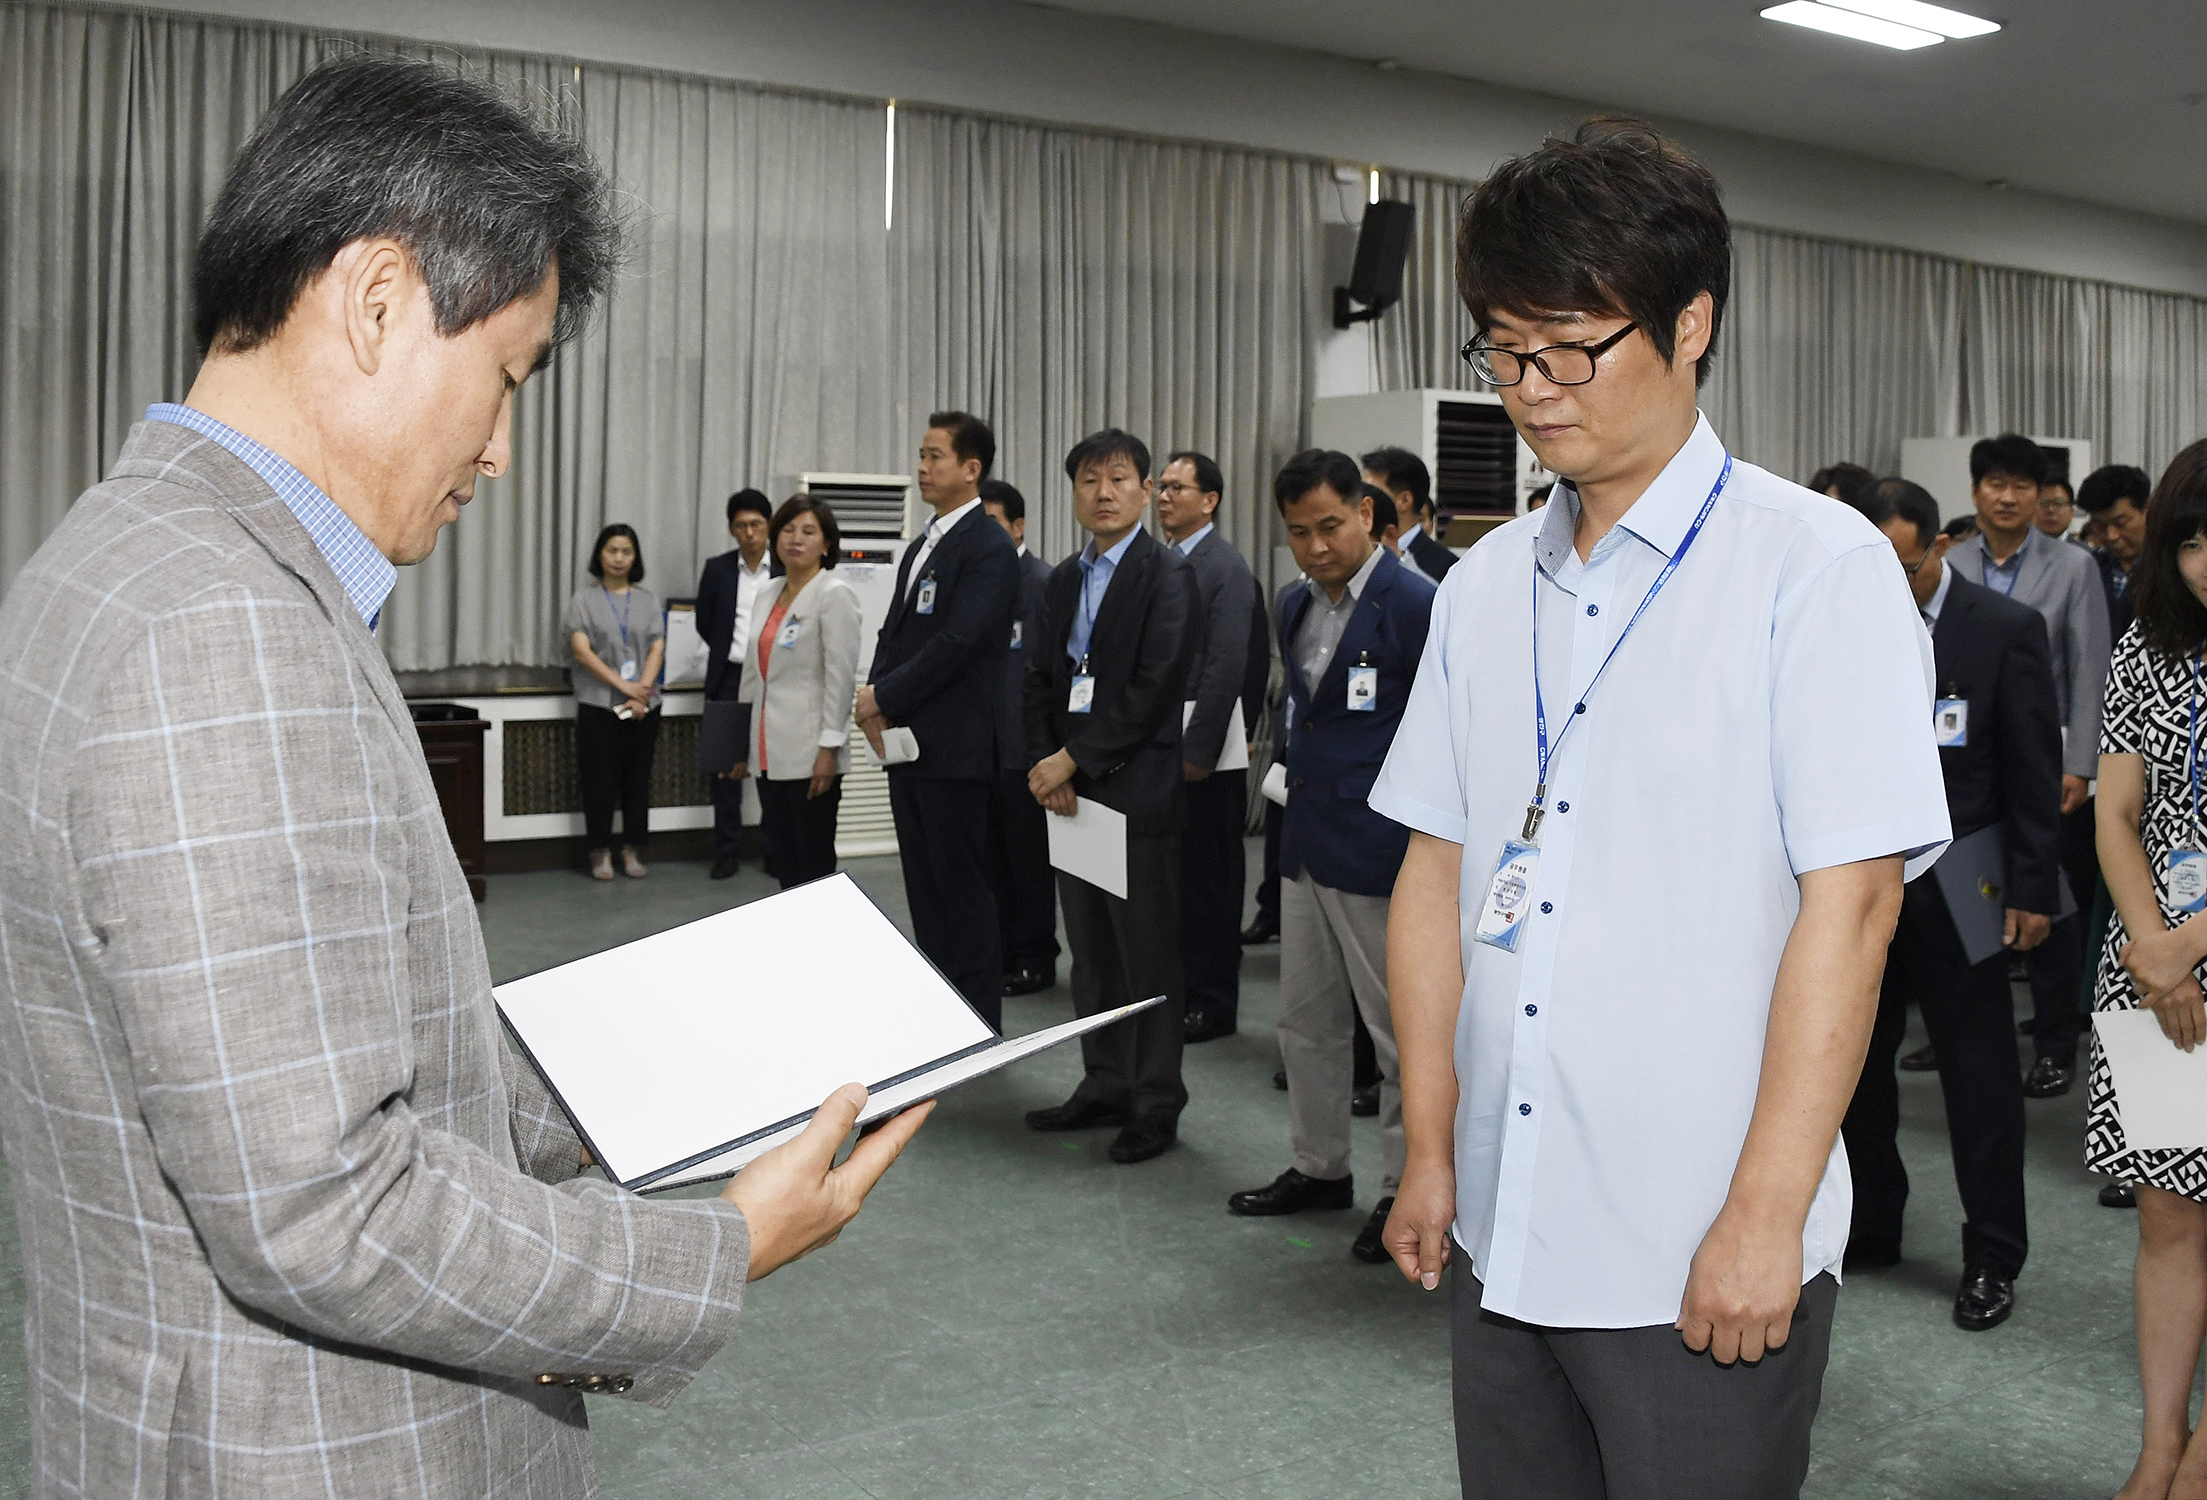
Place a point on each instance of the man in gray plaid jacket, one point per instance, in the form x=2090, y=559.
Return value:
x=294, y=1219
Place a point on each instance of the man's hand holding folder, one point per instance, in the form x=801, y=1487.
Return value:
x=796, y=1199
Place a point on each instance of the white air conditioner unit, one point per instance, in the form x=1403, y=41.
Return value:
x=1941, y=465
x=1482, y=471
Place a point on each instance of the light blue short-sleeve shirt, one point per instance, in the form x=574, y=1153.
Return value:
x=1769, y=715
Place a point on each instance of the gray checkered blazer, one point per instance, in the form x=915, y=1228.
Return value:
x=295, y=1221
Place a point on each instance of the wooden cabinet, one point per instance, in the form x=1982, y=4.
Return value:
x=452, y=744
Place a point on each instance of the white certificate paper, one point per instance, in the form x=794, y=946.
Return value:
x=1234, y=754
x=2160, y=1091
x=1091, y=845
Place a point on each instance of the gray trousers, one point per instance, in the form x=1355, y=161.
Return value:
x=1630, y=1413
x=1333, y=964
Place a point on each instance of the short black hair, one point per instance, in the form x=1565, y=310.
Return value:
x=970, y=437
x=1112, y=442
x=1402, y=470
x=1208, y=479
x=1313, y=467
x=1384, y=513
x=1616, y=220
x=1851, y=480
x=1005, y=498
x=750, y=500
x=2055, y=480
x=597, y=551
x=1959, y=527
x=807, y=505
x=1883, y=500
x=2170, y=617
x=485, y=201
x=2009, y=453
x=2110, y=483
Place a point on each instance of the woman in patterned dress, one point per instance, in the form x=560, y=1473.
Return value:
x=2147, y=808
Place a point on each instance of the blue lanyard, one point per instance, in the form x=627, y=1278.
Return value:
x=1536, y=809
x=2195, y=749
x=619, y=610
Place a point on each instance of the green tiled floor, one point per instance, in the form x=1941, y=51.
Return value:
x=1014, y=1316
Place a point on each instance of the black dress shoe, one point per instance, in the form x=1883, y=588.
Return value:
x=1364, y=1103
x=1279, y=1080
x=1367, y=1246
x=1291, y=1192
x=1922, y=1060
x=1076, y=1114
x=2118, y=1195
x=724, y=867
x=1202, y=1026
x=1140, y=1141
x=1262, y=929
x=2050, y=1078
x=1984, y=1301
x=1029, y=981
x=1869, y=1255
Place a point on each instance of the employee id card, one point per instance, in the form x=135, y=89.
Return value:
x=1083, y=695
x=1509, y=896
x=1950, y=723
x=1363, y=690
x=1018, y=633
x=790, y=631
x=628, y=669
x=924, y=602
x=2188, y=880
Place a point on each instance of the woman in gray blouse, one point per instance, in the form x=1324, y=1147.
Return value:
x=616, y=633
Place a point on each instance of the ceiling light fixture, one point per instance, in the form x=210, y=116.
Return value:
x=1853, y=24
x=1947, y=23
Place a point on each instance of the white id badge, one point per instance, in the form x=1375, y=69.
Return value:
x=2188, y=880
x=1018, y=631
x=1363, y=689
x=1509, y=896
x=628, y=670
x=790, y=630
x=925, y=603
x=1950, y=723
x=1083, y=694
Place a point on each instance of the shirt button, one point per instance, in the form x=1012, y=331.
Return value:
x=1563, y=807
x=1524, y=1109
x=1593, y=609
x=1546, y=908
x=1578, y=708
x=1532, y=1010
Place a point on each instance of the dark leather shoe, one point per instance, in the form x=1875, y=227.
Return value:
x=1279, y=1080
x=1076, y=1114
x=2050, y=1078
x=1262, y=929
x=2118, y=1195
x=1367, y=1246
x=724, y=867
x=1029, y=981
x=1202, y=1026
x=1984, y=1301
x=1140, y=1141
x=1291, y=1192
x=1869, y=1255
x=1364, y=1103
x=1922, y=1060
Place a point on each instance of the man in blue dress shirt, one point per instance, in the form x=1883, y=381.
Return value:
x=1666, y=761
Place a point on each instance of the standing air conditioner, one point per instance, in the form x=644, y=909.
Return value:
x=1482, y=471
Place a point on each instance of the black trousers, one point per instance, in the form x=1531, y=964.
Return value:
x=2057, y=966
x=613, y=763
x=1967, y=1009
x=1213, y=866
x=1125, y=951
x=1019, y=870
x=800, y=830
x=727, y=794
x=1268, y=884
x=943, y=844
x=1629, y=1413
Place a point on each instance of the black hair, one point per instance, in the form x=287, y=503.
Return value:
x=1005, y=498
x=1616, y=220
x=1959, y=527
x=750, y=500
x=2110, y=483
x=1883, y=500
x=807, y=505
x=1402, y=470
x=1208, y=479
x=2009, y=453
x=1851, y=480
x=1313, y=467
x=1384, y=513
x=597, y=551
x=1110, y=443
x=485, y=201
x=2170, y=617
x=2056, y=481
x=970, y=437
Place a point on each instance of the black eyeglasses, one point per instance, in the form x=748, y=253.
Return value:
x=1561, y=364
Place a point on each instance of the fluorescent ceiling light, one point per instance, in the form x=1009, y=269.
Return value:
x=1915, y=13
x=1854, y=24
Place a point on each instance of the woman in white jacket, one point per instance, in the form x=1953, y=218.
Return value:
x=799, y=683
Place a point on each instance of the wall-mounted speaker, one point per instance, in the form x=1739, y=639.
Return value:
x=1375, y=279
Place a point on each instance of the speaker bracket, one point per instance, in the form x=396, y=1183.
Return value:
x=1346, y=314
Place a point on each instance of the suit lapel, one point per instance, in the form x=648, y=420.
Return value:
x=1291, y=620
x=1139, y=556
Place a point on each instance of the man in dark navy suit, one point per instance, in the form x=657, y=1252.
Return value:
x=2002, y=757
x=1351, y=633
x=1019, y=838
x=939, y=671
x=1104, y=695
x=1403, y=475
x=725, y=589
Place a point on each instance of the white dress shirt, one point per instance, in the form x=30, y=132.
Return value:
x=1769, y=715
x=937, y=529
x=748, y=580
x=1194, y=539
x=1937, y=601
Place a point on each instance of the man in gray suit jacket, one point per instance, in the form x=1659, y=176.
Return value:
x=2010, y=555
x=294, y=1218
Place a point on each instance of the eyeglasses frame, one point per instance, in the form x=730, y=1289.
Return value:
x=1594, y=353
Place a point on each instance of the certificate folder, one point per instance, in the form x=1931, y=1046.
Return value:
x=1973, y=876
x=682, y=1056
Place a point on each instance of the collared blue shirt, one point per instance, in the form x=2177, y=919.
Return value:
x=1190, y=544
x=2001, y=577
x=364, y=572
x=1096, y=574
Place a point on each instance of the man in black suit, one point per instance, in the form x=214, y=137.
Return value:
x=1403, y=475
x=2113, y=498
x=2000, y=735
x=1104, y=695
x=1019, y=836
x=1212, y=860
x=725, y=590
x=939, y=671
